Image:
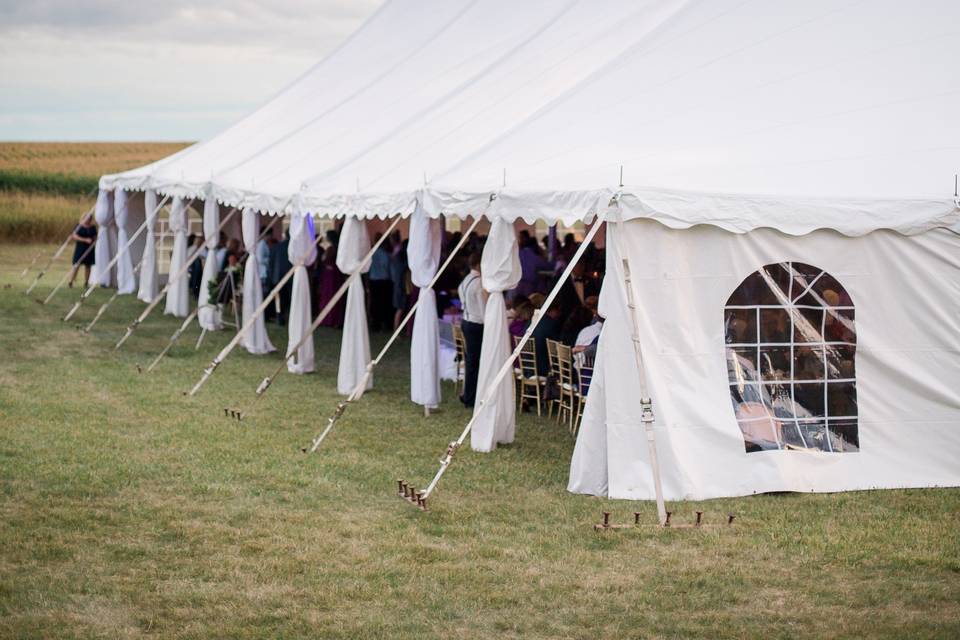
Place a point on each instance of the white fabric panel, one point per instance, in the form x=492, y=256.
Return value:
x=496, y=420
x=126, y=282
x=209, y=315
x=178, y=295
x=906, y=290
x=106, y=245
x=256, y=339
x=353, y=247
x=148, y=265
x=302, y=253
x=423, y=255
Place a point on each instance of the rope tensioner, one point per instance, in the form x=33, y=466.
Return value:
x=698, y=522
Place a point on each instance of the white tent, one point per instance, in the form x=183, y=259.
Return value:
x=837, y=118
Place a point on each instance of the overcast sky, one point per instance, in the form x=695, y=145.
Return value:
x=155, y=69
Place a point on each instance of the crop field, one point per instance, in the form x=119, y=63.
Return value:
x=128, y=510
x=46, y=186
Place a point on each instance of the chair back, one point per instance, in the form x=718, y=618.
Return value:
x=527, y=360
x=552, y=357
x=564, y=364
x=459, y=342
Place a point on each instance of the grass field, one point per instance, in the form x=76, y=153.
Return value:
x=46, y=186
x=129, y=510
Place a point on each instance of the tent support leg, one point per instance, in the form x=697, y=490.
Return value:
x=56, y=254
x=362, y=385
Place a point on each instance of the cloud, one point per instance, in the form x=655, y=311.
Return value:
x=150, y=65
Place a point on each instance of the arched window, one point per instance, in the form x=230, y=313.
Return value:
x=791, y=346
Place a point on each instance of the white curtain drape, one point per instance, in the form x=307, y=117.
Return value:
x=302, y=253
x=499, y=272
x=209, y=314
x=423, y=255
x=178, y=295
x=256, y=339
x=355, y=345
x=148, y=264
x=106, y=245
x=126, y=282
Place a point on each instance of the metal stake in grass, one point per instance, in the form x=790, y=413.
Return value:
x=361, y=386
x=292, y=352
x=170, y=281
x=116, y=258
x=58, y=252
x=507, y=366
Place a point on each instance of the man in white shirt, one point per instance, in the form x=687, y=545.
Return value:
x=473, y=300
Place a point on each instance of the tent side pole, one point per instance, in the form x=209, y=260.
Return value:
x=646, y=404
x=58, y=252
x=362, y=384
x=170, y=281
x=116, y=258
x=507, y=365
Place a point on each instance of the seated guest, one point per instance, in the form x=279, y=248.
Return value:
x=576, y=320
x=547, y=329
x=522, y=314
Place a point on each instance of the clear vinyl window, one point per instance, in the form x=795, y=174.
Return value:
x=791, y=344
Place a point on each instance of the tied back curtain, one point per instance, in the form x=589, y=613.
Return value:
x=209, y=314
x=256, y=339
x=423, y=255
x=148, y=264
x=106, y=245
x=500, y=271
x=355, y=346
x=302, y=252
x=126, y=281
x=178, y=300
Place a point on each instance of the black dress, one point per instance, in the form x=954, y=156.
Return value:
x=81, y=248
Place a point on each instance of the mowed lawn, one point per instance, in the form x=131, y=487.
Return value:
x=129, y=510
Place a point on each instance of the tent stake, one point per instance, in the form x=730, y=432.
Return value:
x=507, y=365
x=116, y=258
x=170, y=281
x=58, y=252
x=362, y=384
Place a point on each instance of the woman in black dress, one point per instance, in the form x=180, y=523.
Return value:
x=86, y=235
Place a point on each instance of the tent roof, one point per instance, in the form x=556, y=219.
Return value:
x=840, y=113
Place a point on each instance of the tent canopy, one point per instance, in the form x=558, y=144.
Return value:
x=832, y=114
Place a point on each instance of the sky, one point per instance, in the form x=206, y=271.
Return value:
x=155, y=70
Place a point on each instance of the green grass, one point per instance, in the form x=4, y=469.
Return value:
x=128, y=510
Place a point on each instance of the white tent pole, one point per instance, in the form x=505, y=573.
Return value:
x=646, y=404
x=193, y=314
x=116, y=258
x=26, y=270
x=362, y=384
x=183, y=270
x=220, y=357
x=69, y=271
x=508, y=364
x=58, y=252
x=116, y=294
x=265, y=384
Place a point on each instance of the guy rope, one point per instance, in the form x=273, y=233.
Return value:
x=362, y=384
x=116, y=258
x=170, y=281
x=419, y=498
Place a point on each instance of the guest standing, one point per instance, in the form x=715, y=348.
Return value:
x=85, y=235
x=474, y=300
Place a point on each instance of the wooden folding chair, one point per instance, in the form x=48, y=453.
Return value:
x=461, y=346
x=553, y=377
x=584, y=376
x=565, y=385
x=525, y=370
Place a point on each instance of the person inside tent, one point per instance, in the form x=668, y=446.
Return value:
x=532, y=263
x=549, y=328
x=195, y=242
x=279, y=266
x=381, y=286
x=474, y=301
x=85, y=235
